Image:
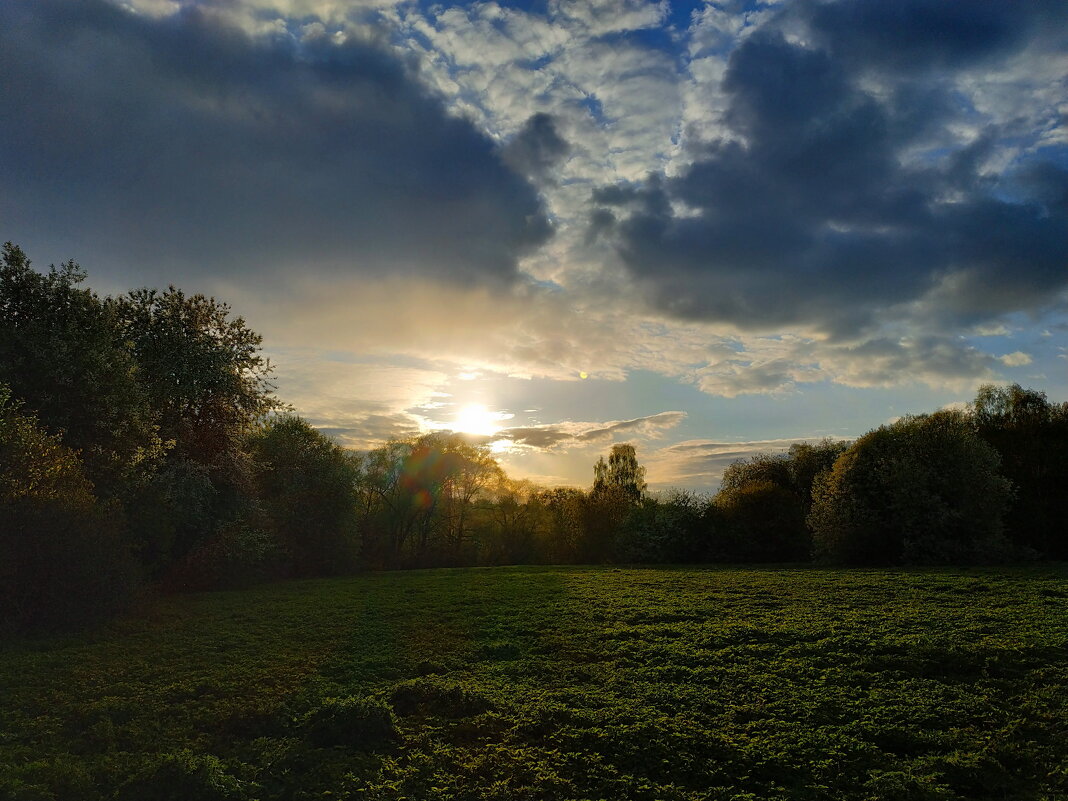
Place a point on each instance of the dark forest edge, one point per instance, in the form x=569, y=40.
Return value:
x=142, y=447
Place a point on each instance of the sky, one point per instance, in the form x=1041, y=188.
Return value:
x=709, y=229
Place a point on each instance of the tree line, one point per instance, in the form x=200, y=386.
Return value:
x=142, y=447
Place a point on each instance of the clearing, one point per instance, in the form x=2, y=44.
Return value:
x=558, y=683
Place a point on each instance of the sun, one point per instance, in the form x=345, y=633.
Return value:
x=474, y=418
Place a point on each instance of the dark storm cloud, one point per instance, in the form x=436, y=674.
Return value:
x=537, y=148
x=916, y=35
x=180, y=142
x=835, y=203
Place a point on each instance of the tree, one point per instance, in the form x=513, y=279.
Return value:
x=417, y=497
x=763, y=502
x=510, y=523
x=926, y=489
x=561, y=524
x=208, y=385
x=1031, y=436
x=467, y=471
x=621, y=471
x=618, y=486
x=203, y=371
x=62, y=352
x=805, y=461
x=670, y=529
x=307, y=484
x=761, y=521
x=763, y=467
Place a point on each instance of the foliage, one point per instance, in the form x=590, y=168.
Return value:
x=510, y=521
x=62, y=354
x=181, y=776
x=806, y=461
x=308, y=485
x=203, y=371
x=155, y=391
x=62, y=559
x=558, y=683
x=1031, y=436
x=360, y=723
x=671, y=529
x=418, y=497
x=561, y=513
x=604, y=510
x=763, y=468
x=763, y=502
x=922, y=490
x=622, y=472
x=171, y=513
x=761, y=522
x=240, y=553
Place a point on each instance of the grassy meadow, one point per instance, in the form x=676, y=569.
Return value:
x=557, y=683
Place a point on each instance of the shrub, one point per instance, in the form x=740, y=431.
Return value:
x=63, y=560
x=182, y=776
x=363, y=723
x=240, y=553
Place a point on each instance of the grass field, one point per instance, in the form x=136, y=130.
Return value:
x=558, y=683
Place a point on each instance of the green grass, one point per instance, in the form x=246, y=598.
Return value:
x=558, y=683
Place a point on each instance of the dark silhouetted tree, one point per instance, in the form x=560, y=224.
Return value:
x=62, y=352
x=308, y=486
x=1031, y=435
x=925, y=489
x=561, y=527
x=417, y=497
x=761, y=522
x=674, y=528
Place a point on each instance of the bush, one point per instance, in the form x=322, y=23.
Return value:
x=183, y=776
x=925, y=490
x=63, y=560
x=366, y=724
x=241, y=553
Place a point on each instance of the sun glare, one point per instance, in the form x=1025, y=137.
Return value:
x=474, y=418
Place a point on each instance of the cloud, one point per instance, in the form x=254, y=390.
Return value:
x=178, y=143
x=699, y=464
x=1015, y=359
x=847, y=192
x=360, y=403
x=602, y=17
x=547, y=437
x=537, y=148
